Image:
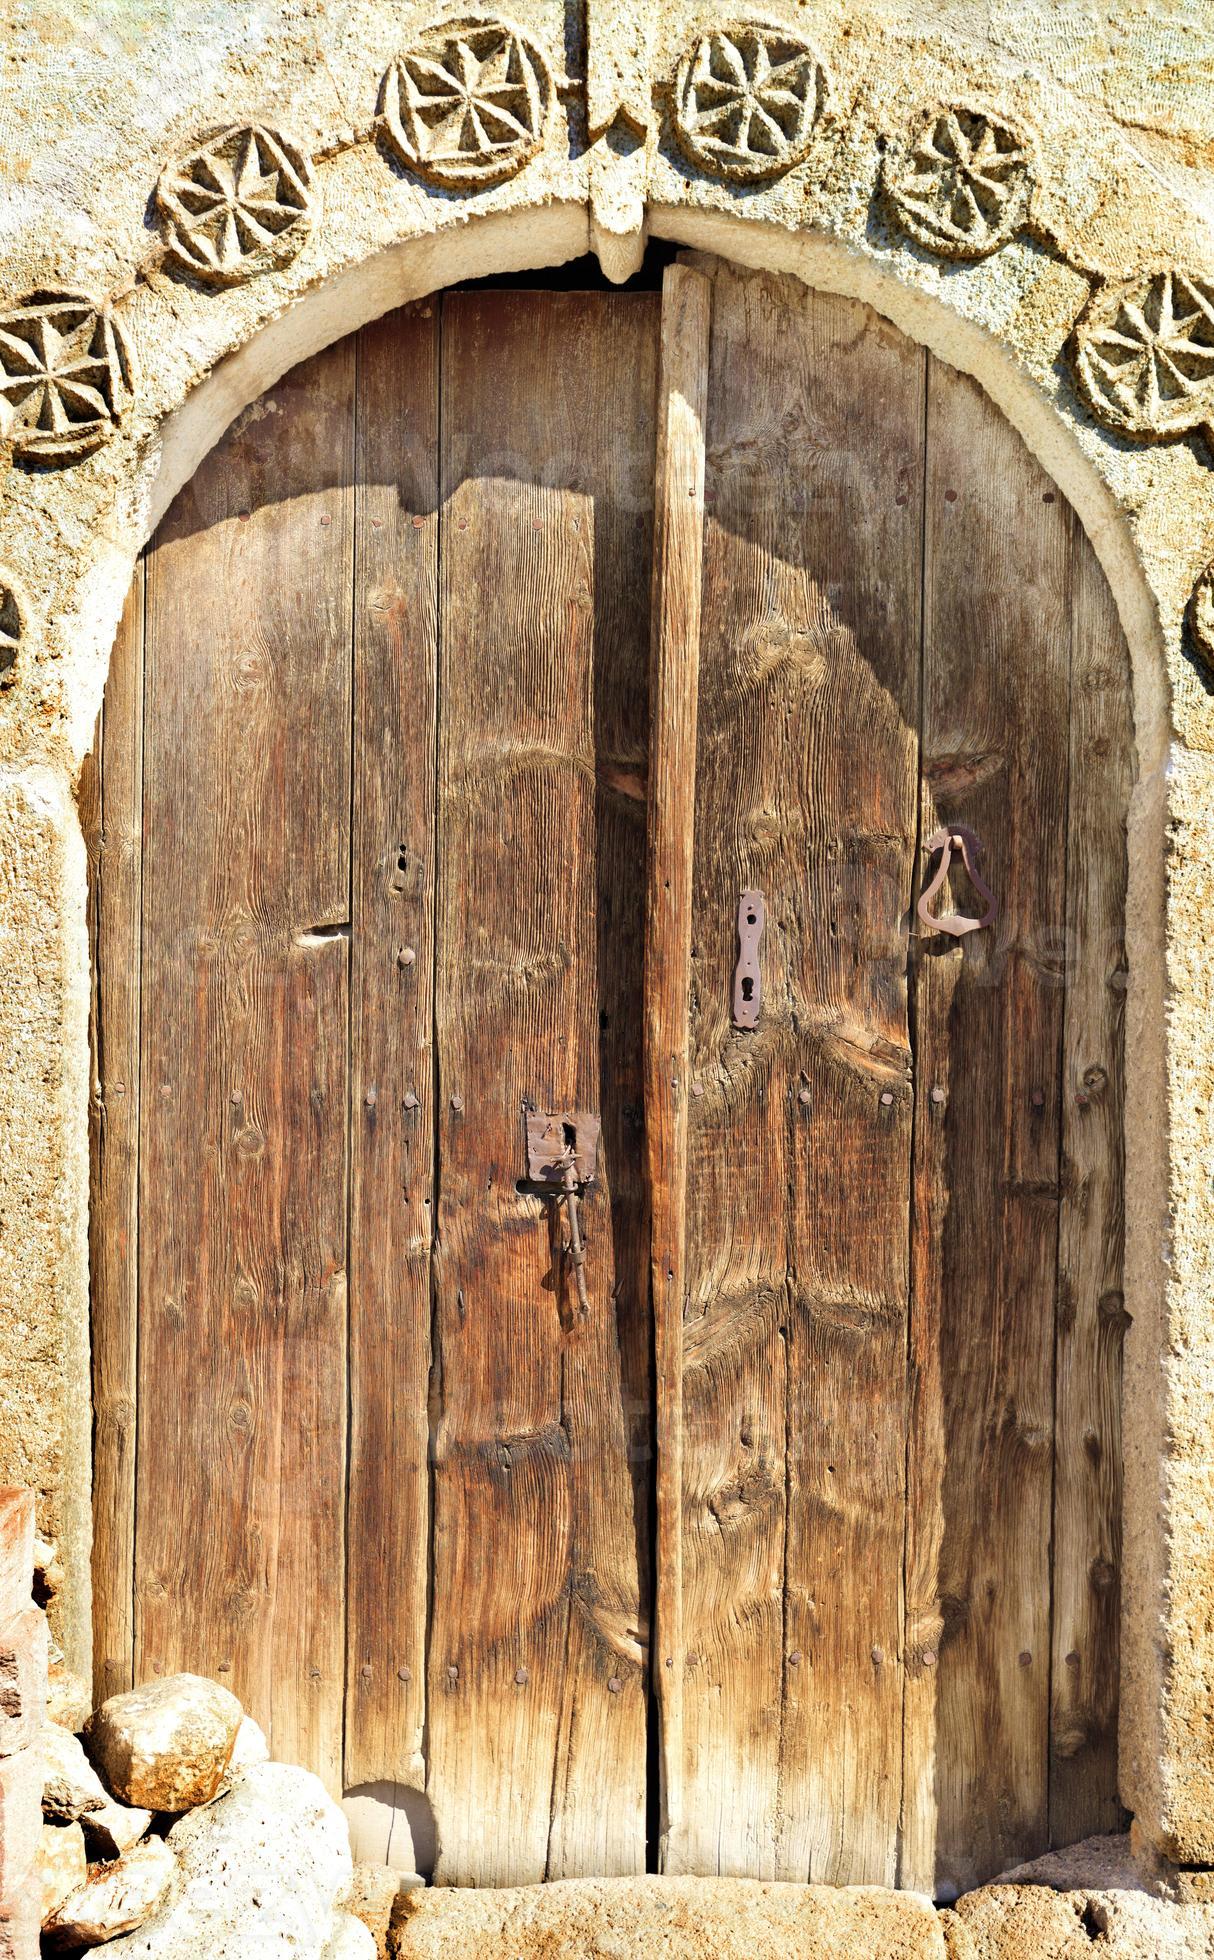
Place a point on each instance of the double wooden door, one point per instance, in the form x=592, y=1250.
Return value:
x=797, y=1555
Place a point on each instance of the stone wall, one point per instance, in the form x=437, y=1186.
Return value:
x=1078, y=287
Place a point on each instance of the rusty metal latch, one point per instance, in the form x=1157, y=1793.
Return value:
x=748, y=978
x=957, y=837
x=562, y=1157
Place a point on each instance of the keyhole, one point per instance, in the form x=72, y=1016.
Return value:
x=748, y=987
x=750, y=918
x=569, y=1131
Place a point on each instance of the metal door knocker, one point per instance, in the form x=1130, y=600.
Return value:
x=562, y=1155
x=957, y=836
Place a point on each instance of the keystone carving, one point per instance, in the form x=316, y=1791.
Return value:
x=747, y=101
x=467, y=105
x=239, y=204
x=1201, y=619
x=12, y=626
x=961, y=185
x=1144, y=355
x=66, y=377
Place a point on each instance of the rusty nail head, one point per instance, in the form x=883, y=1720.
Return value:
x=326, y=519
x=929, y=1657
x=877, y=1656
x=368, y=1672
x=1038, y=1098
x=803, y=1094
x=1025, y=1659
x=794, y=1659
x=225, y=1667
x=887, y=1096
x=457, y=1103
x=407, y=955
x=1072, y=1659
x=370, y=1099
x=614, y=1685
x=453, y=1673
x=521, y=1677
x=404, y=1674
x=410, y=1099
x=697, y=1087
x=937, y=1094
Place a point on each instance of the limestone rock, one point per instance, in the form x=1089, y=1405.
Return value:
x=258, y=1872
x=1095, y=1864
x=349, y=1940
x=166, y=1745
x=1014, y=1922
x=371, y=1896
x=62, y=1865
x=113, y=1829
x=48, y=1571
x=71, y=1785
x=676, y=1918
x=68, y=1702
x=114, y=1899
x=249, y=1748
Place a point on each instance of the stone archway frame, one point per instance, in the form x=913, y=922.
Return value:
x=600, y=166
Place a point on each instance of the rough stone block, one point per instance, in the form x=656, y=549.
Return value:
x=678, y=1918
x=20, y=1817
x=19, y=1922
x=23, y=1653
x=16, y=1550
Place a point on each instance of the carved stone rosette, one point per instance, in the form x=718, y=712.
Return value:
x=468, y=103
x=748, y=99
x=1144, y=355
x=66, y=377
x=961, y=184
x=12, y=626
x=239, y=204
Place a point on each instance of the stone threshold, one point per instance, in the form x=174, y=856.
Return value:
x=654, y=1918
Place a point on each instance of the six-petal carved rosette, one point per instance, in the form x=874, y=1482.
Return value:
x=1144, y=355
x=467, y=105
x=12, y=627
x=65, y=377
x=961, y=184
x=239, y=204
x=748, y=99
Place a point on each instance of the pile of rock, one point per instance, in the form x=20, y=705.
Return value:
x=168, y=1832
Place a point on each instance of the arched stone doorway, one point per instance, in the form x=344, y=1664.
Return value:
x=908, y=1439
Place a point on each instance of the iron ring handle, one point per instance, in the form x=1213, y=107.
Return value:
x=959, y=836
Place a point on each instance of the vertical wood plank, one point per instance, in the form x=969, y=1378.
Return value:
x=674, y=680
x=114, y=1209
x=799, y=1155
x=242, y=1380
x=988, y=1025
x=537, y=1681
x=392, y=1086
x=1091, y=1310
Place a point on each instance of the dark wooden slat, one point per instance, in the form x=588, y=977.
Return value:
x=988, y=1028
x=242, y=1390
x=675, y=675
x=114, y=1207
x=392, y=1085
x=799, y=1173
x=537, y=1688
x=1091, y=1312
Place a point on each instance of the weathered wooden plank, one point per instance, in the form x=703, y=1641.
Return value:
x=675, y=674
x=391, y=1019
x=799, y=1171
x=242, y=1389
x=537, y=1682
x=116, y=859
x=988, y=1029
x=1091, y=1311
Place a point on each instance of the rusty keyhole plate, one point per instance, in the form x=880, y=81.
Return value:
x=551, y=1135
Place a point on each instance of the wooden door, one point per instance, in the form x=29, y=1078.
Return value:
x=395, y=841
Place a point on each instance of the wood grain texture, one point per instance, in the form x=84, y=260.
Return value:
x=391, y=1020
x=674, y=679
x=988, y=1036
x=242, y=1379
x=799, y=1157
x=1091, y=1307
x=115, y=792
x=537, y=1684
